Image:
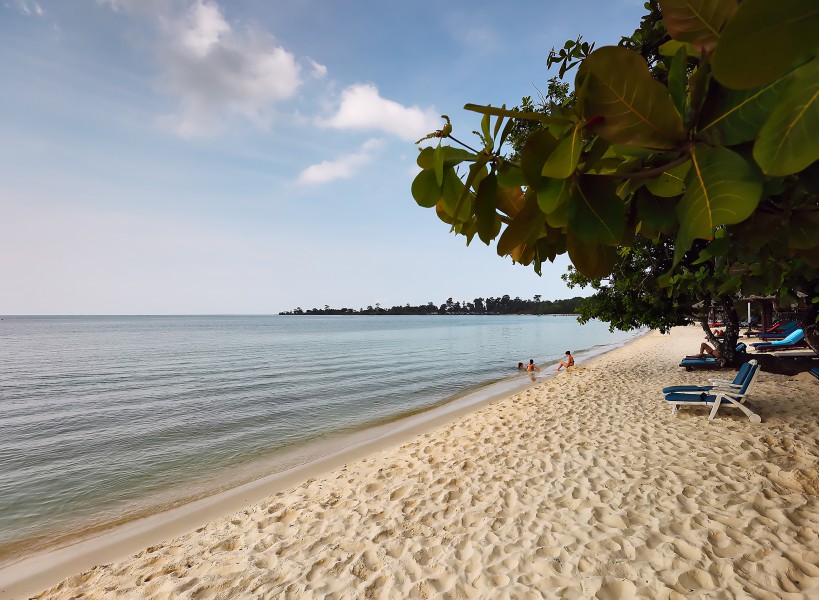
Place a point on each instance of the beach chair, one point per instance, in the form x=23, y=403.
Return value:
x=780, y=331
x=814, y=372
x=719, y=395
x=736, y=382
x=794, y=340
x=707, y=362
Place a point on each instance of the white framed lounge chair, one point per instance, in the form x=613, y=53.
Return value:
x=731, y=394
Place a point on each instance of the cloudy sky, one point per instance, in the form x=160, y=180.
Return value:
x=201, y=156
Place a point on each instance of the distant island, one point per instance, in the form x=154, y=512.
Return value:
x=479, y=306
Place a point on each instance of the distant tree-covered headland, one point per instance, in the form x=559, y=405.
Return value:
x=504, y=305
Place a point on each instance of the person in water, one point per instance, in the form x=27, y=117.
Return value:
x=520, y=366
x=532, y=367
x=706, y=351
x=569, y=362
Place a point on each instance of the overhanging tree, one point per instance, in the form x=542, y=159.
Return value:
x=696, y=135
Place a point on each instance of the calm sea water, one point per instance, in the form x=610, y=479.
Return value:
x=104, y=419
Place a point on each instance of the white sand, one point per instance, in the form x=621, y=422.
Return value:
x=584, y=486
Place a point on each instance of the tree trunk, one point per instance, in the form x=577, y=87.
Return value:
x=812, y=328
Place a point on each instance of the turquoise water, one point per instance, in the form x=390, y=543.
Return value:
x=104, y=419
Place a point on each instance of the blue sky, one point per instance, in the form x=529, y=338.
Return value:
x=195, y=156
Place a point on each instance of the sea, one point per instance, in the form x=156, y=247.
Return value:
x=106, y=419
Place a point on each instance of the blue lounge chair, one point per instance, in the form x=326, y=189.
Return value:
x=815, y=372
x=794, y=340
x=735, y=382
x=719, y=395
x=780, y=332
x=707, y=362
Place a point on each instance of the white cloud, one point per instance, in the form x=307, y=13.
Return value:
x=218, y=72
x=215, y=70
x=362, y=107
x=341, y=168
x=319, y=70
x=32, y=9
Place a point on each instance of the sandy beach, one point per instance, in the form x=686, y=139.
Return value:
x=582, y=486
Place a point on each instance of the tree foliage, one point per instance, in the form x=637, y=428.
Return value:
x=504, y=305
x=695, y=138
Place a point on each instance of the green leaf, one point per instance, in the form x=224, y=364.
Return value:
x=677, y=80
x=718, y=247
x=764, y=40
x=485, y=129
x=525, y=228
x=477, y=172
x=534, y=153
x=721, y=189
x=592, y=260
x=510, y=176
x=596, y=214
x=552, y=193
x=498, y=123
x=697, y=21
x=450, y=195
x=736, y=116
x=623, y=104
x=803, y=230
x=656, y=214
x=425, y=189
x=788, y=142
x=671, y=47
x=595, y=152
x=671, y=183
x=438, y=165
x=486, y=202
x=562, y=161
x=526, y=116
x=452, y=156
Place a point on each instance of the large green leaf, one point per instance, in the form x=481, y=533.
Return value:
x=451, y=157
x=563, y=160
x=515, y=114
x=735, y=116
x=671, y=183
x=524, y=229
x=592, y=260
x=697, y=21
x=425, y=189
x=596, y=214
x=451, y=190
x=510, y=176
x=721, y=189
x=486, y=202
x=677, y=81
x=510, y=201
x=538, y=147
x=623, y=104
x=789, y=140
x=552, y=193
x=657, y=215
x=764, y=40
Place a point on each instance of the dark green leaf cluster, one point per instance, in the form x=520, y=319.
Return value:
x=696, y=134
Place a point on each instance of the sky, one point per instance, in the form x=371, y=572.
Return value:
x=249, y=157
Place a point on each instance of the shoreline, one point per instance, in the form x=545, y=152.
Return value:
x=50, y=565
x=580, y=485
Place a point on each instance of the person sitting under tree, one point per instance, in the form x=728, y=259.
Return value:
x=705, y=352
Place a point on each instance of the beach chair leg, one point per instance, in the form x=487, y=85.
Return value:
x=715, y=408
x=752, y=416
